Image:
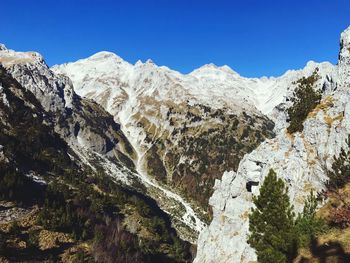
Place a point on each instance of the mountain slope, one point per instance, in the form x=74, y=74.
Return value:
x=154, y=149
x=302, y=159
x=175, y=122
x=55, y=185
x=94, y=137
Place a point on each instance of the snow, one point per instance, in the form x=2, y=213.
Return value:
x=4, y=98
x=210, y=85
x=10, y=57
x=3, y=47
x=36, y=178
x=121, y=87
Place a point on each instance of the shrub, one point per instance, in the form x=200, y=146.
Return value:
x=113, y=244
x=33, y=238
x=2, y=243
x=14, y=229
x=340, y=217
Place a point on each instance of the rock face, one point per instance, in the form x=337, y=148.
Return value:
x=301, y=159
x=185, y=129
x=81, y=122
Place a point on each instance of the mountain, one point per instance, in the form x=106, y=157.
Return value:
x=302, y=159
x=175, y=122
x=68, y=187
x=158, y=156
x=189, y=129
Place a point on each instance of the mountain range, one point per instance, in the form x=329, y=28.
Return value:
x=170, y=160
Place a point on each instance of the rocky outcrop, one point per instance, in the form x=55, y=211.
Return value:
x=81, y=122
x=301, y=159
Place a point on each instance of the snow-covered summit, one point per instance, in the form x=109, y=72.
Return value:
x=10, y=57
x=209, y=84
x=344, y=55
x=3, y=47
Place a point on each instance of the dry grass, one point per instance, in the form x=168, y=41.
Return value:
x=334, y=245
x=335, y=200
x=324, y=105
x=339, y=117
x=329, y=248
x=51, y=239
x=328, y=120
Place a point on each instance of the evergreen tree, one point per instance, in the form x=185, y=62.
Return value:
x=308, y=225
x=340, y=174
x=271, y=223
x=2, y=243
x=305, y=99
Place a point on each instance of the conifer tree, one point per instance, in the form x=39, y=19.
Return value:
x=305, y=99
x=271, y=223
x=340, y=174
x=308, y=225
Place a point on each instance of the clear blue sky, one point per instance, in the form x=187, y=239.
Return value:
x=254, y=37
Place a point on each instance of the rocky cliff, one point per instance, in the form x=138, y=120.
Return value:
x=301, y=159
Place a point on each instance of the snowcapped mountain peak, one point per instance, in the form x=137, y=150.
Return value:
x=138, y=63
x=105, y=55
x=228, y=69
x=149, y=61
x=212, y=71
x=148, y=64
x=344, y=55
x=3, y=47
x=209, y=65
x=345, y=36
x=105, y=73
x=10, y=57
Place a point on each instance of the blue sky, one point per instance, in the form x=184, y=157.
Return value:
x=254, y=37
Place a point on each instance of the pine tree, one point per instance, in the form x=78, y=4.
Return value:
x=340, y=174
x=271, y=223
x=305, y=99
x=308, y=225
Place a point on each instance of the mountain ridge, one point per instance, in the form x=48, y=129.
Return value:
x=301, y=159
x=193, y=142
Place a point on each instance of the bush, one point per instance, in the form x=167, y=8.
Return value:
x=2, y=243
x=33, y=238
x=305, y=99
x=15, y=186
x=14, y=229
x=340, y=217
x=113, y=244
